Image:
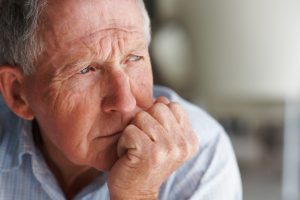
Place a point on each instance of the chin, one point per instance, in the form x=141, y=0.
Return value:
x=106, y=162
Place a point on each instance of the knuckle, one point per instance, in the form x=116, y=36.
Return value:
x=157, y=109
x=129, y=130
x=157, y=128
x=158, y=157
x=185, y=149
x=179, y=112
x=188, y=145
x=177, y=153
x=126, y=135
x=140, y=118
x=178, y=150
x=175, y=106
x=193, y=144
x=162, y=99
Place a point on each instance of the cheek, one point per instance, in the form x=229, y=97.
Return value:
x=66, y=110
x=71, y=130
x=75, y=109
x=71, y=95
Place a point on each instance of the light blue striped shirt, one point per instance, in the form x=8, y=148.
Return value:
x=211, y=174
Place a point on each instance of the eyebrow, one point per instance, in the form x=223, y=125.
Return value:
x=76, y=64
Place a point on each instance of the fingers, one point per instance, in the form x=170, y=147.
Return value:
x=163, y=115
x=149, y=125
x=178, y=112
x=165, y=125
x=186, y=136
x=183, y=119
x=132, y=139
x=154, y=145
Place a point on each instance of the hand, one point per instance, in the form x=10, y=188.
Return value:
x=153, y=146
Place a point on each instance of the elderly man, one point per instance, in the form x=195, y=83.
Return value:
x=81, y=120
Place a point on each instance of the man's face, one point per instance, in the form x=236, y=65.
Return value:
x=93, y=77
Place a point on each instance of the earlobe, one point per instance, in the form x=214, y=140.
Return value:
x=12, y=90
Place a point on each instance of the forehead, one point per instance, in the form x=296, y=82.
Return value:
x=71, y=20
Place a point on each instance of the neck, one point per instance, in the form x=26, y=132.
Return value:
x=71, y=178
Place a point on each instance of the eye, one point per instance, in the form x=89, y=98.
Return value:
x=87, y=70
x=134, y=58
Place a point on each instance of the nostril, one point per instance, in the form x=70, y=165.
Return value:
x=108, y=104
x=121, y=100
x=121, y=104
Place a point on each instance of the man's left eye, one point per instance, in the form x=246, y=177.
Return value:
x=87, y=70
x=134, y=58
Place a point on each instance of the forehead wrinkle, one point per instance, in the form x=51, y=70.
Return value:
x=110, y=44
x=94, y=33
x=87, y=41
x=92, y=51
x=98, y=51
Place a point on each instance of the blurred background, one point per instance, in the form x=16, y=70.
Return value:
x=240, y=61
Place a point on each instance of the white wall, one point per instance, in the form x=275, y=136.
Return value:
x=244, y=48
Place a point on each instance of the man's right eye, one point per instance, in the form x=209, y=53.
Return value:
x=87, y=70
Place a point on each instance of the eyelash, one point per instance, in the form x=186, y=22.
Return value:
x=87, y=70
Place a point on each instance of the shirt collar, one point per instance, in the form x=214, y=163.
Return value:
x=15, y=141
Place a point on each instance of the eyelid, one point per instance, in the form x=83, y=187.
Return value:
x=135, y=58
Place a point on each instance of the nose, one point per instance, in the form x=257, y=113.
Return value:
x=120, y=97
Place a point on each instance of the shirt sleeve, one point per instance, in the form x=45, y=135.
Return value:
x=212, y=174
x=221, y=179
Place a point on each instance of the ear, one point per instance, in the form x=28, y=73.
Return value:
x=12, y=90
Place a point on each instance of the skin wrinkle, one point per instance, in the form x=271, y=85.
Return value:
x=120, y=44
x=67, y=103
x=52, y=94
x=86, y=45
x=111, y=27
x=106, y=31
x=112, y=23
x=58, y=79
x=57, y=84
x=102, y=56
x=89, y=136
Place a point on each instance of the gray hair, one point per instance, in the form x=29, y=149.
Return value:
x=147, y=22
x=20, y=44
x=18, y=38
